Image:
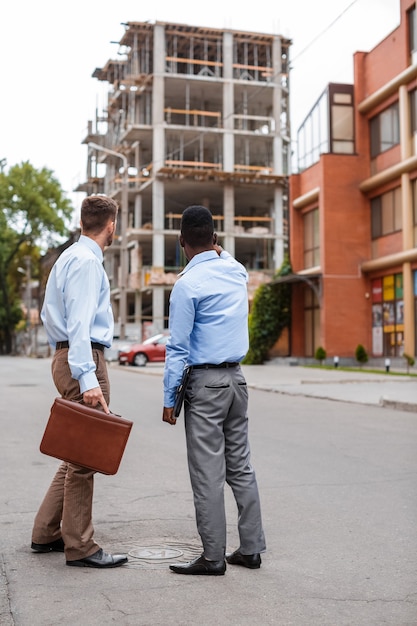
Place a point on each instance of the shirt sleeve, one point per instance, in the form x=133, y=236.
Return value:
x=226, y=256
x=81, y=295
x=181, y=322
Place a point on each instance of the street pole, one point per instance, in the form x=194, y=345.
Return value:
x=123, y=241
x=28, y=303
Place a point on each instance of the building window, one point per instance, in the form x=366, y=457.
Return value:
x=341, y=128
x=388, y=316
x=311, y=322
x=413, y=110
x=386, y=214
x=311, y=239
x=385, y=130
x=329, y=127
x=412, y=32
x=414, y=201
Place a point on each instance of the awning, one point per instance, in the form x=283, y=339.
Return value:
x=309, y=279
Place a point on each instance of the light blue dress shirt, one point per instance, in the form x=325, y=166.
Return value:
x=208, y=316
x=77, y=307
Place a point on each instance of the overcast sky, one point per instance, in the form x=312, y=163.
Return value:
x=49, y=50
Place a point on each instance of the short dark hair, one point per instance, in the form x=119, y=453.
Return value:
x=197, y=227
x=96, y=212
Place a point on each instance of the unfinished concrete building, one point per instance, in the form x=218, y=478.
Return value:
x=194, y=116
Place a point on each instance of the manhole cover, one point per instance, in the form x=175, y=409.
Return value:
x=154, y=553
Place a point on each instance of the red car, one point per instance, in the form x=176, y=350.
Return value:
x=152, y=350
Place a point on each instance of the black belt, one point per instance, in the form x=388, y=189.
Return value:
x=209, y=366
x=60, y=345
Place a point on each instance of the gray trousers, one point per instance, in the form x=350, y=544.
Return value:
x=216, y=426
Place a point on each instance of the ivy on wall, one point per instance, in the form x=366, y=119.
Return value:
x=270, y=314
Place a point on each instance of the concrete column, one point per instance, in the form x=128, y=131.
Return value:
x=158, y=159
x=277, y=105
x=228, y=103
x=158, y=308
x=138, y=212
x=229, y=214
x=138, y=307
x=278, y=215
x=409, y=324
x=407, y=215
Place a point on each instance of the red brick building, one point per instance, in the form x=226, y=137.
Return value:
x=353, y=208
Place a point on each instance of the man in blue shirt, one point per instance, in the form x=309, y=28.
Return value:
x=209, y=331
x=78, y=320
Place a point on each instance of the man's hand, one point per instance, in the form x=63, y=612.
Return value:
x=218, y=248
x=168, y=415
x=93, y=397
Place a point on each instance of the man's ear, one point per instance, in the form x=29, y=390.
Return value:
x=214, y=238
x=181, y=241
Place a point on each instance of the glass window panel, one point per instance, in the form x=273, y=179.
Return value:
x=376, y=224
x=413, y=110
x=308, y=258
x=308, y=133
x=324, y=135
x=395, y=124
x=374, y=131
x=386, y=130
x=316, y=232
x=308, y=231
x=343, y=147
x=387, y=214
x=398, y=214
x=342, y=98
x=311, y=239
x=342, y=122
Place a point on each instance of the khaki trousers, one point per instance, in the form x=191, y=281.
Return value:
x=66, y=509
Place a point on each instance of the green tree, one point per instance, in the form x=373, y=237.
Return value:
x=34, y=211
x=361, y=355
x=320, y=354
x=269, y=315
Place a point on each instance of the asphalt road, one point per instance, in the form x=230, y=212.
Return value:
x=339, y=497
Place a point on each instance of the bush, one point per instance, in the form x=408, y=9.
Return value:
x=270, y=314
x=361, y=355
x=320, y=354
x=410, y=361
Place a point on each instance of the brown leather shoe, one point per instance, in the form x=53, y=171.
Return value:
x=100, y=559
x=200, y=566
x=252, y=561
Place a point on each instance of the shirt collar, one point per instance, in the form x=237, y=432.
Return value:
x=94, y=247
x=200, y=258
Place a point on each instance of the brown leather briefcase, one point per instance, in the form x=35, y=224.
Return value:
x=85, y=436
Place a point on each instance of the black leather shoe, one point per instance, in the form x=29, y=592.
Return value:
x=200, y=566
x=252, y=561
x=53, y=546
x=100, y=559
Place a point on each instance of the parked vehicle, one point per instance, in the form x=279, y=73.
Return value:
x=151, y=350
x=119, y=345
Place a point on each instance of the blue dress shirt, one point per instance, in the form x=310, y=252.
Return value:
x=77, y=307
x=208, y=316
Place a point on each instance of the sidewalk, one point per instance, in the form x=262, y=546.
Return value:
x=385, y=389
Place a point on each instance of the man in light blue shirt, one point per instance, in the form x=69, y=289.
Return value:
x=79, y=324
x=209, y=334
